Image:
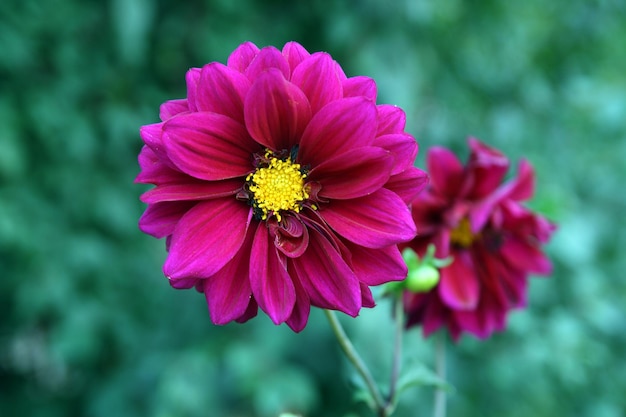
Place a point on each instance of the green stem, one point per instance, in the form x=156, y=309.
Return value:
x=398, y=316
x=356, y=360
x=439, y=409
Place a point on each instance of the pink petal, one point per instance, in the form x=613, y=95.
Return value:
x=228, y=291
x=487, y=166
x=251, y=311
x=271, y=284
x=294, y=53
x=378, y=266
x=154, y=171
x=446, y=172
x=482, y=321
x=327, y=279
x=367, y=299
x=291, y=236
x=186, y=283
x=242, y=56
x=222, y=90
x=402, y=146
x=339, y=126
x=160, y=219
x=436, y=315
x=171, y=108
x=318, y=79
x=360, y=86
x=408, y=184
x=209, y=146
x=152, y=136
x=207, y=237
x=522, y=187
x=197, y=190
x=525, y=256
x=267, y=58
x=391, y=119
x=514, y=284
x=300, y=315
x=374, y=221
x=192, y=77
x=276, y=111
x=459, y=287
x=353, y=173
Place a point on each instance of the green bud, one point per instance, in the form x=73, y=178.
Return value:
x=422, y=279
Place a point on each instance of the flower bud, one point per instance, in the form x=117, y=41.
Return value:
x=422, y=279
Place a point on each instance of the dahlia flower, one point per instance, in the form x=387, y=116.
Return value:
x=493, y=240
x=280, y=184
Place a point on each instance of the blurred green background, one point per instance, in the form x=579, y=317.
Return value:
x=89, y=325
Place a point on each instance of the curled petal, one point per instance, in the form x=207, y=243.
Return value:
x=291, y=236
x=276, y=111
x=206, y=238
x=271, y=284
x=318, y=79
x=374, y=221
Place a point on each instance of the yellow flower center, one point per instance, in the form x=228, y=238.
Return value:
x=462, y=234
x=277, y=187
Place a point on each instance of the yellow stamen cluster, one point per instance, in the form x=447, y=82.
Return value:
x=462, y=234
x=278, y=186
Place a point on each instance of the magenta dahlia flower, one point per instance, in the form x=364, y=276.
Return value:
x=280, y=184
x=493, y=240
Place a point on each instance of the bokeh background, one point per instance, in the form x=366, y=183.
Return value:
x=90, y=327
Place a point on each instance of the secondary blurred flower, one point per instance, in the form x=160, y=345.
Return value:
x=494, y=242
x=279, y=184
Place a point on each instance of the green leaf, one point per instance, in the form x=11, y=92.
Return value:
x=419, y=375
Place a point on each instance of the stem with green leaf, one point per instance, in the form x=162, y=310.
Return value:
x=384, y=407
x=398, y=316
x=354, y=357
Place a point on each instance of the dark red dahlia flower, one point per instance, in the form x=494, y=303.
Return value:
x=280, y=184
x=494, y=242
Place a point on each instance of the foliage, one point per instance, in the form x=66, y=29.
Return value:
x=91, y=328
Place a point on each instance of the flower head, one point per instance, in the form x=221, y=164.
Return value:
x=279, y=184
x=493, y=240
